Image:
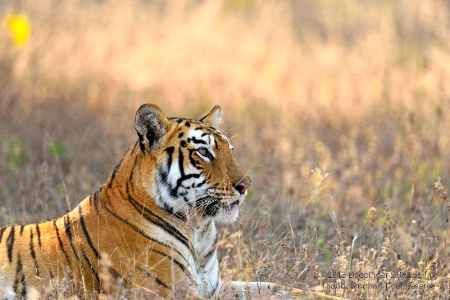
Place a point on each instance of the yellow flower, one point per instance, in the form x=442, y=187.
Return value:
x=18, y=27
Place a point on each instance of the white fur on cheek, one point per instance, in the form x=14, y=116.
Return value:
x=181, y=196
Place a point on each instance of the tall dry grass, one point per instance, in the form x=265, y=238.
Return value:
x=339, y=110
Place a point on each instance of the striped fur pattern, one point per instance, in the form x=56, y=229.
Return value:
x=150, y=227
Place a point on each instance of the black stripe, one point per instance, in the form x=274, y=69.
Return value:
x=141, y=142
x=138, y=230
x=24, y=288
x=113, y=175
x=10, y=244
x=191, y=159
x=180, y=161
x=2, y=230
x=169, y=151
x=212, y=208
x=96, y=198
x=60, y=242
x=33, y=253
x=91, y=267
x=114, y=273
x=21, y=229
x=157, y=280
x=157, y=220
x=174, y=190
x=38, y=230
x=17, y=281
x=135, y=147
x=186, y=177
x=162, y=180
x=130, y=178
x=205, y=228
x=199, y=184
x=179, y=264
x=198, y=141
x=86, y=233
x=151, y=217
x=69, y=236
x=207, y=257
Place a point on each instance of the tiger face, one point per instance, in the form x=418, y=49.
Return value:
x=195, y=173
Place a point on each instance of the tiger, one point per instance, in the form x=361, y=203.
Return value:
x=150, y=227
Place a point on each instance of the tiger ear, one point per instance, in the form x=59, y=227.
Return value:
x=151, y=125
x=214, y=118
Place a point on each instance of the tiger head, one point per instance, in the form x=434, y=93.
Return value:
x=190, y=168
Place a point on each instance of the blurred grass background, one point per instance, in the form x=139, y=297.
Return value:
x=338, y=109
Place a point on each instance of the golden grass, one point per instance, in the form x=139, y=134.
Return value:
x=339, y=110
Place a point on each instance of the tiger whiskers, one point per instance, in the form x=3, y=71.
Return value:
x=202, y=200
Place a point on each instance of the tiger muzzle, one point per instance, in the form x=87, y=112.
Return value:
x=243, y=185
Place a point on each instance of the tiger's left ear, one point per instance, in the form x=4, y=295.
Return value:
x=151, y=126
x=214, y=118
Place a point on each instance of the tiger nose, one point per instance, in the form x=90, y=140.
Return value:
x=242, y=186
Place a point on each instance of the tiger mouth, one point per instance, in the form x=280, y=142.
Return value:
x=211, y=206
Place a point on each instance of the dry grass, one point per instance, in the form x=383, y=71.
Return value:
x=339, y=110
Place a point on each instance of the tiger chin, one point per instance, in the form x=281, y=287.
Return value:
x=149, y=229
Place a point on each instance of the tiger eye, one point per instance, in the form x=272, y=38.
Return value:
x=202, y=151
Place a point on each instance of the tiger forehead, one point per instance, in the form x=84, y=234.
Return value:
x=196, y=131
